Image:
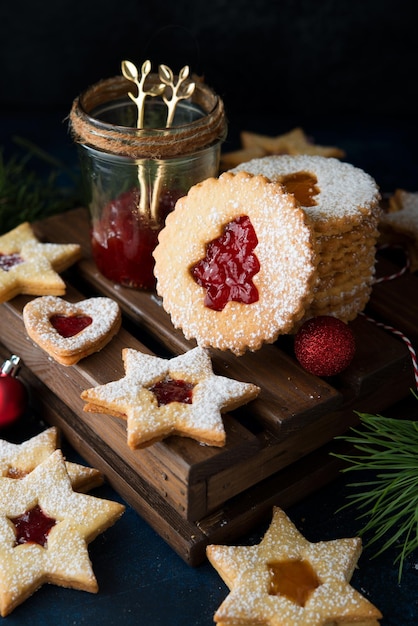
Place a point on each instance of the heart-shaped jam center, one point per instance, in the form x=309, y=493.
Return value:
x=33, y=526
x=172, y=390
x=70, y=325
x=303, y=185
x=227, y=270
x=7, y=261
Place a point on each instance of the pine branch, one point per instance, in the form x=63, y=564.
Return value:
x=389, y=503
x=25, y=195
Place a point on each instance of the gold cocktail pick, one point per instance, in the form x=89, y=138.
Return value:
x=179, y=91
x=130, y=71
x=176, y=92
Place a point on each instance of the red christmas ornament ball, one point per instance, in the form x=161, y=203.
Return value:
x=13, y=393
x=324, y=345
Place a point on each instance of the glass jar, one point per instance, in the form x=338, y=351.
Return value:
x=133, y=177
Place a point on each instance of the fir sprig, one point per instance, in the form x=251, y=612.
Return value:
x=389, y=501
x=25, y=194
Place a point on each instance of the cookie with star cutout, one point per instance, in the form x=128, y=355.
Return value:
x=28, y=266
x=162, y=397
x=287, y=580
x=17, y=460
x=45, y=529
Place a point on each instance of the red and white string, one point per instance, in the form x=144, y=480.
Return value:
x=391, y=329
x=397, y=274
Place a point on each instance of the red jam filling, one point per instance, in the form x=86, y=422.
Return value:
x=7, y=261
x=33, y=526
x=123, y=241
x=70, y=325
x=171, y=390
x=293, y=578
x=227, y=270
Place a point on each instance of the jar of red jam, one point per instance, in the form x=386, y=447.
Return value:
x=134, y=176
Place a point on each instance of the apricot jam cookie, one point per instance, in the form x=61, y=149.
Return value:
x=343, y=203
x=69, y=331
x=28, y=266
x=19, y=459
x=45, y=529
x=287, y=580
x=163, y=397
x=236, y=262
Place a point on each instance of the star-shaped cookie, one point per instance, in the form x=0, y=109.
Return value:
x=293, y=142
x=28, y=266
x=287, y=581
x=18, y=460
x=400, y=223
x=162, y=397
x=56, y=549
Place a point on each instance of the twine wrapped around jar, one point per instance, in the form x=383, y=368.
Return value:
x=134, y=176
x=149, y=143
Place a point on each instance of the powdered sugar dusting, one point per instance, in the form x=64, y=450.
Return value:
x=246, y=571
x=105, y=314
x=345, y=191
x=285, y=250
x=64, y=560
x=147, y=421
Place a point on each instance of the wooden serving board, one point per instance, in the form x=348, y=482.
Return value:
x=278, y=446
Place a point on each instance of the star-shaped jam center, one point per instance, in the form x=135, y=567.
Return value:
x=33, y=526
x=227, y=270
x=293, y=578
x=172, y=390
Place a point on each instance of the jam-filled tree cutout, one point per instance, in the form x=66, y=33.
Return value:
x=228, y=268
x=286, y=579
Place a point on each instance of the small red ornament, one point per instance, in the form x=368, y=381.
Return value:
x=324, y=345
x=13, y=393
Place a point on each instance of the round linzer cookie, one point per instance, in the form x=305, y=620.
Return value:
x=236, y=262
x=337, y=196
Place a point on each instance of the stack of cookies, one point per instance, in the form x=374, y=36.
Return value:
x=277, y=240
x=343, y=203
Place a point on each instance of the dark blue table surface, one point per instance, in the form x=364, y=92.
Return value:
x=141, y=579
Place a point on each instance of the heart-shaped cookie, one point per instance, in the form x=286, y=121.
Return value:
x=69, y=331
